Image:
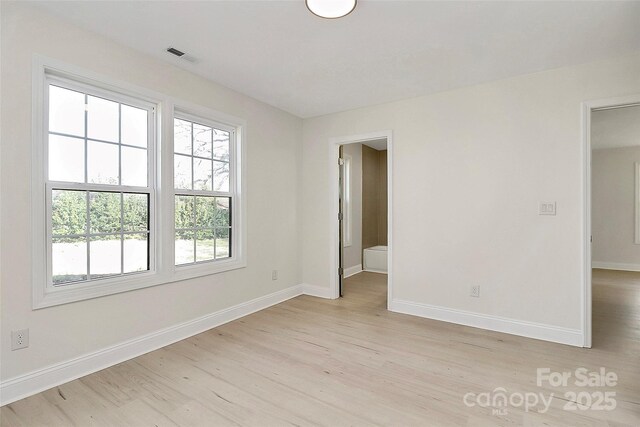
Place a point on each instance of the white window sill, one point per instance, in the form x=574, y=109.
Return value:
x=99, y=288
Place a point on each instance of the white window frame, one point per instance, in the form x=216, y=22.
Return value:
x=51, y=79
x=161, y=218
x=199, y=115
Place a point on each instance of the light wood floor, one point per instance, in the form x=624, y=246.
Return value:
x=310, y=361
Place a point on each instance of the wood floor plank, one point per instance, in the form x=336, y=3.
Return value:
x=350, y=362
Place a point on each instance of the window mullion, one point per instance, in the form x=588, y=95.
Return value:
x=213, y=183
x=120, y=182
x=193, y=187
x=120, y=146
x=125, y=233
x=87, y=233
x=193, y=184
x=231, y=167
x=86, y=143
x=106, y=188
x=122, y=231
x=203, y=193
x=215, y=242
x=193, y=228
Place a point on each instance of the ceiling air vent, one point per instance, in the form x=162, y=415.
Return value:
x=175, y=51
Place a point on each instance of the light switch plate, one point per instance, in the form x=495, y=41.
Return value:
x=547, y=208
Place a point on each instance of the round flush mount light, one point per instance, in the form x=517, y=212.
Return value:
x=331, y=9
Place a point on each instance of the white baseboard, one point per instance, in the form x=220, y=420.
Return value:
x=45, y=378
x=373, y=270
x=60, y=373
x=350, y=271
x=615, y=266
x=316, y=291
x=539, y=331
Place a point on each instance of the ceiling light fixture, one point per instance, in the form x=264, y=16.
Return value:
x=331, y=9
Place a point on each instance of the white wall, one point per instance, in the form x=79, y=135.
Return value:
x=616, y=127
x=613, y=207
x=470, y=168
x=63, y=332
x=353, y=253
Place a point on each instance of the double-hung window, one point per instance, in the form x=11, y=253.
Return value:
x=99, y=184
x=129, y=190
x=202, y=184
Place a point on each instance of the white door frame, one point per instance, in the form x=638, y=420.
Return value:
x=587, y=108
x=334, y=145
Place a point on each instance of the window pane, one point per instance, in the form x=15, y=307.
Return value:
x=201, y=141
x=201, y=163
x=134, y=166
x=204, y=245
x=205, y=211
x=201, y=174
x=104, y=253
x=104, y=212
x=66, y=111
x=134, y=126
x=136, y=212
x=184, y=212
x=136, y=252
x=69, y=260
x=68, y=212
x=102, y=119
x=222, y=243
x=221, y=145
x=182, y=172
x=222, y=212
x=103, y=163
x=66, y=159
x=221, y=176
x=182, y=137
x=184, y=247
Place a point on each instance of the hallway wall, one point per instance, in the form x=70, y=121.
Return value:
x=353, y=252
x=374, y=197
x=382, y=197
x=613, y=208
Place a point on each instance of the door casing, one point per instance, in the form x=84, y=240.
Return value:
x=587, y=109
x=334, y=264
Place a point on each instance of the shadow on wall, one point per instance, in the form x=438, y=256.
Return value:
x=374, y=197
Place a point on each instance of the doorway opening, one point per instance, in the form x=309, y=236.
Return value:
x=362, y=216
x=613, y=220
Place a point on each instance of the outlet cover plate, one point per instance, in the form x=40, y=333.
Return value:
x=19, y=339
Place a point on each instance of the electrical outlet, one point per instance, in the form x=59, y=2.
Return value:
x=475, y=291
x=19, y=339
x=274, y=275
